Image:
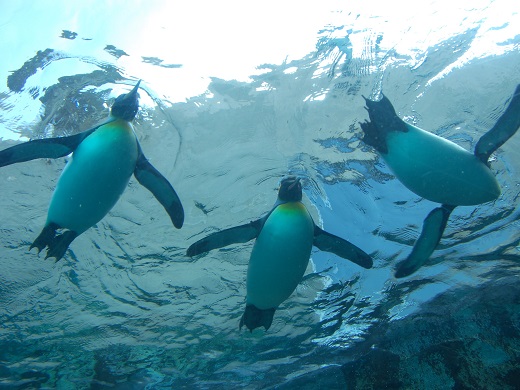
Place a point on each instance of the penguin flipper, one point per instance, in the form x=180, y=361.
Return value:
x=234, y=235
x=506, y=126
x=44, y=148
x=433, y=228
x=330, y=243
x=151, y=178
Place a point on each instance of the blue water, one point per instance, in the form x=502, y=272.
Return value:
x=233, y=98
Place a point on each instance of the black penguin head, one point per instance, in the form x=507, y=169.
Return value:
x=381, y=111
x=126, y=105
x=290, y=189
x=382, y=114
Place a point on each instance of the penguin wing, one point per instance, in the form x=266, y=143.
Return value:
x=44, y=148
x=151, y=178
x=505, y=128
x=433, y=227
x=234, y=235
x=330, y=243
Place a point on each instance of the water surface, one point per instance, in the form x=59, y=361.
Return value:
x=232, y=99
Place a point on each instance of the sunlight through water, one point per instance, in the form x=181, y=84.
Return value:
x=234, y=96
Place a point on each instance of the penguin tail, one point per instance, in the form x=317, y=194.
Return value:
x=57, y=244
x=254, y=317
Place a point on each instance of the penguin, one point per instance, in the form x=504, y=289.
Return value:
x=103, y=159
x=436, y=168
x=284, y=239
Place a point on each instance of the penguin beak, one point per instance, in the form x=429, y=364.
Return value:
x=132, y=97
x=297, y=181
x=133, y=93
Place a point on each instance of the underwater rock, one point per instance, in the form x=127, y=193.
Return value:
x=466, y=338
x=331, y=377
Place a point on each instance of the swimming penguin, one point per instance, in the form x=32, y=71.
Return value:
x=284, y=239
x=103, y=159
x=437, y=169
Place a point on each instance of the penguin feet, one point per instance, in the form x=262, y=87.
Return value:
x=46, y=235
x=254, y=318
x=56, y=244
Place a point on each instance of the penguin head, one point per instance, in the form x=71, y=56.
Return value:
x=126, y=105
x=290, y=189
x=383, y=115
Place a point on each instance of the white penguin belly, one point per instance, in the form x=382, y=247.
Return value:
x=439, y=170
x=94, y=178
x=280, y=256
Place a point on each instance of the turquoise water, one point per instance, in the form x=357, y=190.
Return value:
x=233, y=98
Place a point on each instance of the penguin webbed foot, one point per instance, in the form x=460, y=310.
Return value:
x=433, y=228
x=57, y=244
x=46, y=235
x=254, y=317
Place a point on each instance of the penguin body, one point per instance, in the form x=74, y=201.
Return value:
x=280, y=255
x=95, y=177
x=103, y=160
x=279, y=258
x=437, y=169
